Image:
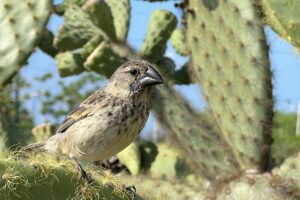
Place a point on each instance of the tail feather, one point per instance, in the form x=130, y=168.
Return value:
x=35, y=147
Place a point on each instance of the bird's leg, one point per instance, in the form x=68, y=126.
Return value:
x=132, y=190
x=87, y=178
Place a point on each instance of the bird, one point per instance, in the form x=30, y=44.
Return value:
x=108, y=120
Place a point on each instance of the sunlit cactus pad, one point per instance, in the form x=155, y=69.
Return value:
x=21, y=24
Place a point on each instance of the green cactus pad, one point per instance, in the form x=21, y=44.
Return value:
x=161, y=25
x=289, y=170
x=179, y=42
x=154, y=189
x=68, y=3
x=33, y=180
x=21, y=26
x=210, y=156
x=101, y=15
x=230, y=60
x=121, y=15
x=103, y=60
x=77, y=30
x=91, y=45
x=69, y=63
x=131, y=158
x=61, y=8
x=168, y=163
x=257, y=186
x=283, y=17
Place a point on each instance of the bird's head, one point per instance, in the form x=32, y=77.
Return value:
x=134, y=77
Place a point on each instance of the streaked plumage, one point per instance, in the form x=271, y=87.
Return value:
x=108, y=120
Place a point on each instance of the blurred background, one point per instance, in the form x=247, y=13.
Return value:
x=44, y=96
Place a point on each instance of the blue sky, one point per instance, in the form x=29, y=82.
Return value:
x=285, y=63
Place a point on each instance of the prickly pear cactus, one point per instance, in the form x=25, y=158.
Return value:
x=169, y=163
x=256, y=186
x=230, y=60
x=101, y=15
x=46, y=177
x=210, y=157
x=283, y=17
x=21, y=25
x=159, y=30
x=77, y=30
x=103, y=60
x=121, y=16
x=131, y=158
x=179, y=42
x=69, y=63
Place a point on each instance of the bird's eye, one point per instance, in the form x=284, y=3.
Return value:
x=134, y=72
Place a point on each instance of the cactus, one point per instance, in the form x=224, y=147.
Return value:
x=228, y=57
x=18, y=39
x=77, y=30
x=169, y=163
x=69, y=63
x=233, y=69
x=20, y=180
x=159, y=30
x=92, y=44
x=210, y=156
x=152, y=188
x=283, y=17
x=179, y=42
x=101, y=15
x=131, y=158
x=253, y=186
x=121, y=16
x=103, y=60
x=289, y=170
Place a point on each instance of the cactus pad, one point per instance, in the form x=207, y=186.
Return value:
x=121, y=16
x=230, y=60
x=131, y=158
x=103, y=60
x=179, y=42
x=21, y=25
x=76, y=31
x=69, y=63
x=101, y=15
x=161, y=25
x=283, y=17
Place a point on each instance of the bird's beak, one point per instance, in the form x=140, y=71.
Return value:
x=152, y=77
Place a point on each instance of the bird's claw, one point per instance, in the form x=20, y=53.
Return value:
x=86, y=176
x=132, y=190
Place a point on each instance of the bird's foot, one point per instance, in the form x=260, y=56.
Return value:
x=132, y=190
x=86, y=176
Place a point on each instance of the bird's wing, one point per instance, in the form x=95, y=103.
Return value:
x=76, y=115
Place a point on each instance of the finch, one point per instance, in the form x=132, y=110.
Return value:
x=108, y=120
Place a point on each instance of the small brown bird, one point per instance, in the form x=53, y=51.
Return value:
x=108, y=120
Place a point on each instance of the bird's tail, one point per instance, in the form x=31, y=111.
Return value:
x=35, y=147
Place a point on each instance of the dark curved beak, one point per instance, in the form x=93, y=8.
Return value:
x=152, y=77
